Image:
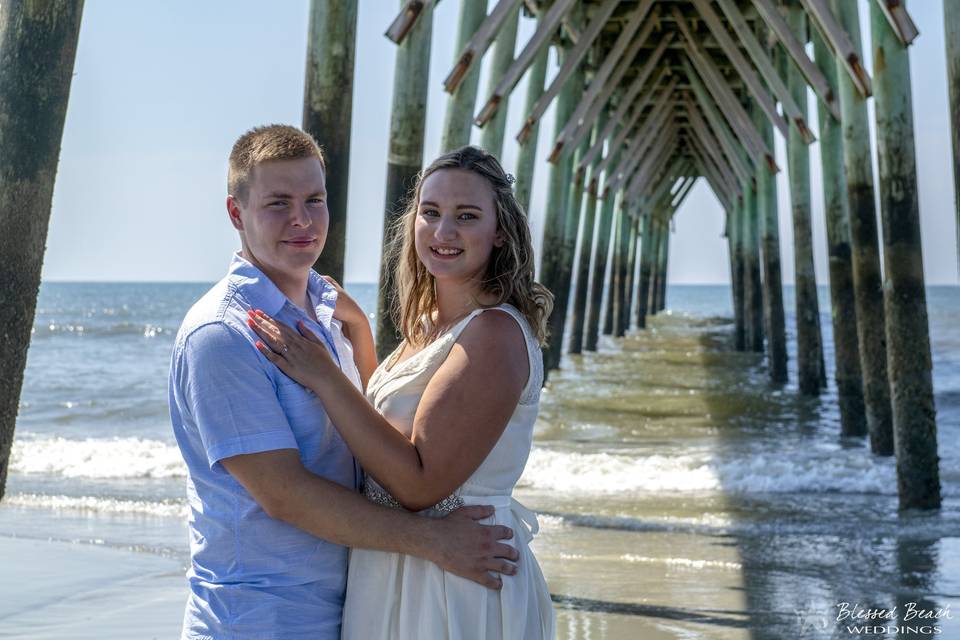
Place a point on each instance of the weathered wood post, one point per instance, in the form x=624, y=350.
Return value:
x=646, y=267
x=868, y=287
x=774, y=321
x=586, y=247
x=853, y=420
x=908, y=340
x=458, y=121
x=604, y=231
x=951, y=23
x=752, y=286
x=608, y=316
x=620, y=280
x=627, y=305
x=809, y=340
x=655, y=253
x=491, y=136
x=735, y=229
x=408, y=117
x=527, y=156
x=327, y=113
x=38, y=44
x=574, y=205
x=553, y=250
x=662, y=256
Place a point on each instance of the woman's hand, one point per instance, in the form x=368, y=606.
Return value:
x=300, y=354
x=347, y=310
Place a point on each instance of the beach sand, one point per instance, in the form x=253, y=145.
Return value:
x=58, y=590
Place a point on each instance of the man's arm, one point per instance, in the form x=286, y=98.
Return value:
x=288, y=492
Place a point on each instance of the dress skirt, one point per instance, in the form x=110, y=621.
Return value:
x=392, y=596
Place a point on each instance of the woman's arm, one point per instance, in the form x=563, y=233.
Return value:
x=461, y=414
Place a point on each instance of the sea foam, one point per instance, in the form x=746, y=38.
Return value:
x=810, y=469
x=97, y=457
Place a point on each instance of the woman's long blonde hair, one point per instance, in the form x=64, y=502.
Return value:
x=510, y=271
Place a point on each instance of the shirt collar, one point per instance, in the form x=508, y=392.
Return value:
x=262, y=293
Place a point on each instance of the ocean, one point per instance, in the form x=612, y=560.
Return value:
x=680, y=494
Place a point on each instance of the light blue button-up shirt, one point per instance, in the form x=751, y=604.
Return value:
x=253, y=576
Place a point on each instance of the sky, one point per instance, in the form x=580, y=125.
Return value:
x=161, y=91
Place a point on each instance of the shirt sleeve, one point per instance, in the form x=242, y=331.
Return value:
x=230, y=395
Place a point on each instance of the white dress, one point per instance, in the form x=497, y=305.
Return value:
x=395, y=596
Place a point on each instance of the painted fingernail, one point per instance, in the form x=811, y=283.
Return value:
x=259, y=345
x=250, y=323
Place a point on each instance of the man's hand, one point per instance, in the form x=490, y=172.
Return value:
x=460, y=545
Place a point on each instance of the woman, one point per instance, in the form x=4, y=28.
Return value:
x=448, y=417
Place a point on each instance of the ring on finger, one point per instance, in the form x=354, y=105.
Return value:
x=283, y=349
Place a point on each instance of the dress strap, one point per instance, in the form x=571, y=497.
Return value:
x=531, y=390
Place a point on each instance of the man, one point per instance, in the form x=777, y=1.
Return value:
x=271, y=485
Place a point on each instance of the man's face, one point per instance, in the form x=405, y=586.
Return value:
x=283, y=224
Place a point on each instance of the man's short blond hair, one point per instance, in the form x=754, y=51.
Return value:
x=269, y=142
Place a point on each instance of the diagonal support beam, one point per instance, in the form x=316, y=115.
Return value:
x=546, y=27
x=763, y=63
x=724, y=96
x=405, y=20
x=479, y=43
x=713, y=146
x=722, y=174
x=656, y=115
x=570, y=63
x=604, y=84
x=647, y=173
x=617, y=142
x=900, y=21
x=731, y=143
x=815, y=78
x=624, y=158
x=627, y=99
x=638, y=154
x=840, y=42
x=750, y=78
x=719, y=190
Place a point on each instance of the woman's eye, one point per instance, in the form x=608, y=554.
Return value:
x=467, y=216
x=429, y=213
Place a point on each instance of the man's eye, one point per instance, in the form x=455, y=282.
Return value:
x=316, y=200
x=277, y=203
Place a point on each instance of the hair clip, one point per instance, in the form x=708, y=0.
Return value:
x=510, y=179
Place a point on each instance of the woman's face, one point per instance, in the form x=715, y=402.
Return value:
x=456, y=225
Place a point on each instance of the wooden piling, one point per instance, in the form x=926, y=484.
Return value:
x=752, y=286
x=491, y=136
x=404, y=159
x=908, y=339
x=615, y=258
x=951, y=23
x=663, y=255
x=620, y=311
x=656, y=273
x=327, y=114
x=38, y=45
x=735, y=230
x=458, y=121
x=604, y=228
x=853, y=421
x=768, y=210
x=578, y=320
x=527, y=156
x=868, y=287
x=632, y=242
x=571, y=228
x=555, y=231
x=646, y=267
x=809, y=340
